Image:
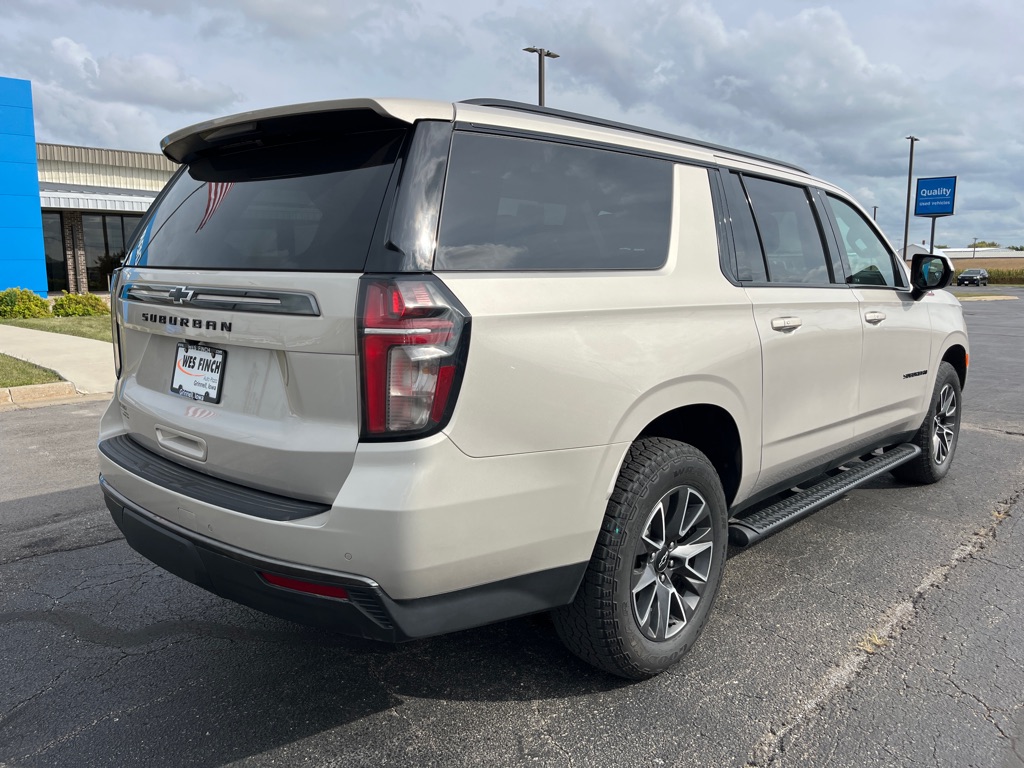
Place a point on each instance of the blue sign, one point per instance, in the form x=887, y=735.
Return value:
x=935, y=196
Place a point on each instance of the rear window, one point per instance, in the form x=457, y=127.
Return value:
x=524, y=204
x=307, y=205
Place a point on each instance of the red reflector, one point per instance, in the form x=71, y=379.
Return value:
x=309, y=587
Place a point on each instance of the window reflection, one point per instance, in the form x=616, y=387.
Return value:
x=53, y=243
x=104, y=239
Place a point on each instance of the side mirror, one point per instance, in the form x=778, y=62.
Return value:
x=929, y=273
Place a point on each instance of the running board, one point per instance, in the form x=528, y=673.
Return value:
x=746, y=530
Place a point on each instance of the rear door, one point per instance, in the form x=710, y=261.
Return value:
x=236, y=307
x=808, y=322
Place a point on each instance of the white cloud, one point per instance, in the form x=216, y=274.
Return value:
x=834, y=87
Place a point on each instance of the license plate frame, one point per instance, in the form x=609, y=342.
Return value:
x=198, y=372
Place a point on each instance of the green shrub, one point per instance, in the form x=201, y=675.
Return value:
x=21, y=302
x=80, y=305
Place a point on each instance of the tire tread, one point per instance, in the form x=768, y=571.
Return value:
x=588, y=626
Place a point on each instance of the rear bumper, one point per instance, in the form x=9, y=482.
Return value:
x=418, y=518
x=368, y=612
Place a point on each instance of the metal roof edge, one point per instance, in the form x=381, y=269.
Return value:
x=636, y=129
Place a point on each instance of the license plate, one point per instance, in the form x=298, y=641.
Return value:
x=198, y=371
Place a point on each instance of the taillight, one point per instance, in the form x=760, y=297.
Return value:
x=413, y=338
x=115, y=326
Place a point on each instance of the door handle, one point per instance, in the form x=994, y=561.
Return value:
x=786, y=324
x=874, y=317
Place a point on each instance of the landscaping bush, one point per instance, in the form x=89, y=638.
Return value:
x=20, y=302
x=80, y=305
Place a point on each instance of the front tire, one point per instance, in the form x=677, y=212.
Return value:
x=939, y=432
x=657, y=565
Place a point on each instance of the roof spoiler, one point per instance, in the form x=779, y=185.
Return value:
x=244, y=128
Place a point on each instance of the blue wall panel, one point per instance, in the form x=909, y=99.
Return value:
x=17, y=121
x=15, y=93
x=20, y=212
x=17, y=149
x=22, y=258
x=22, y=273
x=18, y=178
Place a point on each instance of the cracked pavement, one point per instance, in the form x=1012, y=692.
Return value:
x=108, y=660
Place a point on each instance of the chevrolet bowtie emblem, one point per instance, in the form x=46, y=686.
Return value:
x=180, y=294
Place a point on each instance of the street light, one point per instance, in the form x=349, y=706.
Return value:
x=542, y=53
x=874, y=213
x=910, y=176
x=974, y=248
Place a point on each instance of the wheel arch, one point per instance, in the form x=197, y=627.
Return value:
x=956, y=355
x=710, y=413
x=710, y=429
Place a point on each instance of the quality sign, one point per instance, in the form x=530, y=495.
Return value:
x=935, y=196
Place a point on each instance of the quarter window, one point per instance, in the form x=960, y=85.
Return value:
x=749, y=258
x=524, y=204
x=870, y=261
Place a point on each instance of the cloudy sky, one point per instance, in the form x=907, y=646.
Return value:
x=832, y=86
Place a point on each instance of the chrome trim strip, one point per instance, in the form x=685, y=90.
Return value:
x=229, y=299
x=202, y=296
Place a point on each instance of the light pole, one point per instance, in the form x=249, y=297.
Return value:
x=910, y=176
x=974, y=248
x=874, y=213
x=542, y=53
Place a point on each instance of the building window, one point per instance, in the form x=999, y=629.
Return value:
x=104, y=239
x=56, y=257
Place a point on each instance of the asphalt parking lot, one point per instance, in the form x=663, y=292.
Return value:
x=882, y=630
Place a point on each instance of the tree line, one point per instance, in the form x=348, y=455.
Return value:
x=987, y=244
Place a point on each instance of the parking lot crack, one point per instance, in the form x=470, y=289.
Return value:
x=770, y=748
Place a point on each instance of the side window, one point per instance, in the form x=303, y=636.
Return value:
x=523, y=204
x=749, y=258
x=789, y=232
x=870, y=261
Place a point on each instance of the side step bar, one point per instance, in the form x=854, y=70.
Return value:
x=745, y=531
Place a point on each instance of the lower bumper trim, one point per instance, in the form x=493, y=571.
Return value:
x=369, y=612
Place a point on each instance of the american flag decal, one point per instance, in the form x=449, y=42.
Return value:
x=216, y=191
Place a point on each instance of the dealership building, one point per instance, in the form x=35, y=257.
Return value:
x=65, y=212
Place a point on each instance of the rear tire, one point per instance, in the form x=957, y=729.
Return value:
x=657, y=565
x=938, y=435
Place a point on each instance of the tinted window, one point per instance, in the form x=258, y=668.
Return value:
x=789, y=232
x=749, y=258
x=869, y=259
x=522, y=204
x=104, y=241
x=53, y=241
x=307, y=206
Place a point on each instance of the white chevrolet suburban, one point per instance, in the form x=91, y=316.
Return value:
x=402, y=368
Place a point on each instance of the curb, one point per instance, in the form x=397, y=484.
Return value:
x=34, y=393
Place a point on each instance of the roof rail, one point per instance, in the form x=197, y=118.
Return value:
x=576, y=117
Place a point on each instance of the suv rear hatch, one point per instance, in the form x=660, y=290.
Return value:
x=235, y=312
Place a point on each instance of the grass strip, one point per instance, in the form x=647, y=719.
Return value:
x=18, y=373
x=87, y=327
